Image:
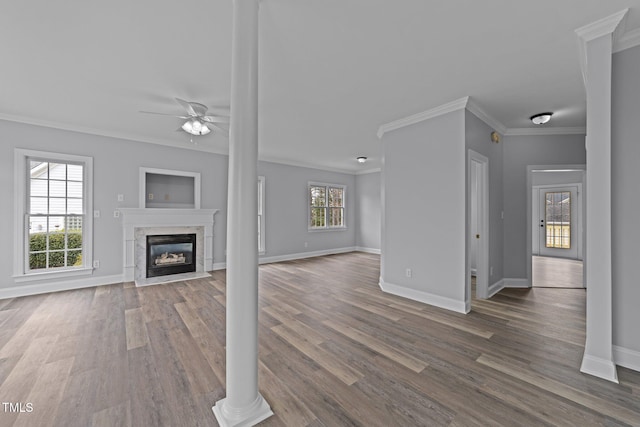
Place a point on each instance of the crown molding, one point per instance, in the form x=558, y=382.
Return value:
x=111, y=134
x=473, y=107
x=545, y=131
x=458, y=104
x=306, y=165
x=627, y=40
x=167, y=143
x=368, y=171
x=613, y=24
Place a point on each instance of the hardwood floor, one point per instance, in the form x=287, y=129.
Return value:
x=549, y=272
x=334, y=351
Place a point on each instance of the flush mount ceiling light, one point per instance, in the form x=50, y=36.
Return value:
x=361, y=159
x=542, y=118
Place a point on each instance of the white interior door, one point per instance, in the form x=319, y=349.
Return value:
x=478, y=224
x=558, y=222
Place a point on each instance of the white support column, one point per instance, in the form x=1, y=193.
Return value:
x=243, y=405
x=596, y=48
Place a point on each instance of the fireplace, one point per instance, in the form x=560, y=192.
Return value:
x=170, y=254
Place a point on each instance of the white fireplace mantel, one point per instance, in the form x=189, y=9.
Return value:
x=159, y=218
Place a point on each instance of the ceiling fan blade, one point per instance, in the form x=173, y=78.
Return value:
x=187, y=106
x=165, y=114
x=215, y=119
x=218, y=128
x=200, y=109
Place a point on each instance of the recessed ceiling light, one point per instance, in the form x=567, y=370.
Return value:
x=542, y=118
x=361, y=159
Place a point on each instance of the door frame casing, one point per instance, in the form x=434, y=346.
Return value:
x=530, y=169
x=482, y=269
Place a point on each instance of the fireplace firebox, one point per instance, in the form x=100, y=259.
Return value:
x=171, y=254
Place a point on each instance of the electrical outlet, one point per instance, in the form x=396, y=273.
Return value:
x=491, y=271
x=116, y=214
x=306, y=244
x=121, y=197
x=408, y=272
x=96, y=214
x=96, y=263
x=150, y=196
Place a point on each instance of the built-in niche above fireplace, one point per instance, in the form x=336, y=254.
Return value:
x=169, y=189
x=170, y=254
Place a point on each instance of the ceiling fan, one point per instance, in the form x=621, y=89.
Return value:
x=197, y=122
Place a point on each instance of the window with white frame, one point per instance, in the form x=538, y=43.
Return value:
x=326, y=206
x=53, y=199
x=261, y=211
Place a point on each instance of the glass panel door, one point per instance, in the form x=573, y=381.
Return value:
x=558, y=219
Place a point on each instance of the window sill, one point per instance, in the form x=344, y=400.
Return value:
x=313, y=230
x=32, y=277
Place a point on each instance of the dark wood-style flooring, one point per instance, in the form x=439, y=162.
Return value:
x=334, y=351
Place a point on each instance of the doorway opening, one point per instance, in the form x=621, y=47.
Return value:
x=477, y=277
x=555, y=237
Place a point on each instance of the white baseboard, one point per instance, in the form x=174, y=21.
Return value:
x=516, y=283
x=219, y=266
x=87, y=282
x=291, y=257
x=63, y=285
x=626, y=358
x=368, y=250
x=495, y=288
x=302, y=255
x=598, y=367
x=425, y=297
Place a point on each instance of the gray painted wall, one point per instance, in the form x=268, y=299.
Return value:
x=116, y=165
x=287, y=211
x=520, y=151
x=625, y=152
x=424, y=206
x=368, y=206
x=116, y=169
x=478, y=139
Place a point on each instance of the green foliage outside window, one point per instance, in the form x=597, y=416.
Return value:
x=38, y=243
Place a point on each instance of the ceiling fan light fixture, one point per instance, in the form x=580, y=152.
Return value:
x=195, y=127
x=542, y=118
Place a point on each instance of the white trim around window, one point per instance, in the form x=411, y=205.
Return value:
x=21, y=236
x=322, y=220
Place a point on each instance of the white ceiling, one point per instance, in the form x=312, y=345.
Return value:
x=331, y=71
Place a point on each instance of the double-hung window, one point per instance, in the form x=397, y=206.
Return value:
x=53, y=230
x=326, y=206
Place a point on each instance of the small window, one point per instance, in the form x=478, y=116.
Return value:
x=326, y=206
